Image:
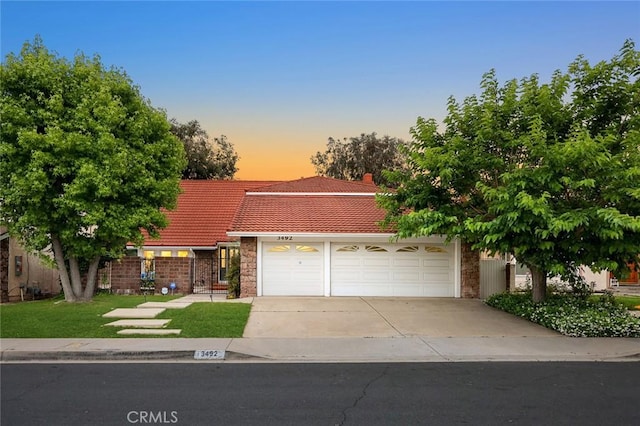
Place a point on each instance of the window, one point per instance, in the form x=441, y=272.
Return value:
x=165, y=253
x=432, y=249
x=408, y=249
x=306, y=249
x=183, y=253
x=224, y=257
x=349, y=249
x=279, y=249
x=148, y=266
x=375, y=249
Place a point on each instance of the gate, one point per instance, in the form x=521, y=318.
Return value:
x=493, y=275
x=204, y=277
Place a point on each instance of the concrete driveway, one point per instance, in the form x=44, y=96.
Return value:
x=312, y=317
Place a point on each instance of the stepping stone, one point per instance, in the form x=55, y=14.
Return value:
x=167, y=305
x=148, y=331
x=133, y=313
x=140, y=323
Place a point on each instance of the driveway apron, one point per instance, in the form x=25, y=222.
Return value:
x=313, y=317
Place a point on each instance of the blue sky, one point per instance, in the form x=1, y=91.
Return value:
x=279, y=78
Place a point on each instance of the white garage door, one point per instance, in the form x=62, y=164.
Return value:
x=292, y=269
x=418, y=270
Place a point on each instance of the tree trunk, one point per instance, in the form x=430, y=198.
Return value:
x=539, y=283
x=70, y=276
x=92, y=274
x=58, y=255
x=76, y=278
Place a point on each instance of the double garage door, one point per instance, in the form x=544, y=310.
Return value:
x=359, y=269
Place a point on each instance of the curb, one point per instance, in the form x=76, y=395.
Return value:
x=230, y=356
x=12, y=356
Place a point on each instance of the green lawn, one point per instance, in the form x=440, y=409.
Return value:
x=630, y=302
x=209, y=319
x=54, y=318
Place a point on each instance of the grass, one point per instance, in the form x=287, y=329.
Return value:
x=54, y=318
x=630, y=302
x=209, y=319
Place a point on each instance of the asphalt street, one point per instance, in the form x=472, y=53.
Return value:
x=479, y=393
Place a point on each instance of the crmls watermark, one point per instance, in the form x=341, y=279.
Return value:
x=152, y=417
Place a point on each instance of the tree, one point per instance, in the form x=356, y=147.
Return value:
x=85, y=161
x=547, y=172
x=204, y=159
x=351, y=159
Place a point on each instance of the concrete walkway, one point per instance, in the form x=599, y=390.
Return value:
x=347, y=330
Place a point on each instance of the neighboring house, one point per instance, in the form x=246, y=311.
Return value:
x=633, y=278
x=320, y=237
x=600, y=281
x=23, y=276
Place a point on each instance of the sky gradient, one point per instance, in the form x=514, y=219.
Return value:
x=280, y=78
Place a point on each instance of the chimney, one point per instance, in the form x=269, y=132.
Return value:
x=367, y=178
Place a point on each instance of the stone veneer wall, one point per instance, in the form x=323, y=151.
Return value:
x=470, y=272
x=248, y=267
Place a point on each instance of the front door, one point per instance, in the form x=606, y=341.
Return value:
x=632, y=278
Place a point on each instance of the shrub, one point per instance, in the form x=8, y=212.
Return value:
x=233, y=277
x=572, y=315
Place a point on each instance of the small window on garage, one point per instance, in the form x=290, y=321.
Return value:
x=433, y=249
x=348, y=248
x=408, y=249
x=306, y=249
x=280, y=249
x=375, y=249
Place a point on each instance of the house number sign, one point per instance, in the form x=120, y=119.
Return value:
x=208, y=354
x=284, y=238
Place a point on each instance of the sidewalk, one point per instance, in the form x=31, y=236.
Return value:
x=394, y=349
x=313, y=330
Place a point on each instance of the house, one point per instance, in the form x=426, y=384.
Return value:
x=633, y=278
x=23, y=275
x=314, y=236
x=320, y=237
x=599, y=281
x=193, y=251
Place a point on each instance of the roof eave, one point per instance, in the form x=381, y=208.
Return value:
x=310, y=234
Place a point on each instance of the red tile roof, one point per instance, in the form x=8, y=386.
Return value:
x=308, y=214
x=204, y=212
x=320, y=184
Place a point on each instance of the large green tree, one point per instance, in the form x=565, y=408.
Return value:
x=206, y=159
x=85, y=161
x=548, y=172
x=350, y=159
